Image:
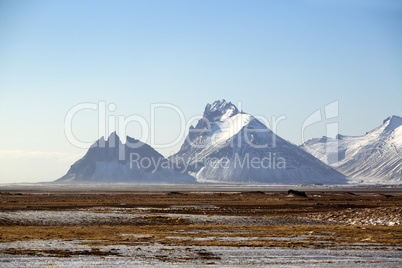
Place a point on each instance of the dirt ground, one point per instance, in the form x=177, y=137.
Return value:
x=326, y=205
x=330, y=220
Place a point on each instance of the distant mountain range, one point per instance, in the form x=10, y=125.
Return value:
x=372, y=158
x=231, y=146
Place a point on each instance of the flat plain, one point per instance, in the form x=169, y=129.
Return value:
x=331, y=227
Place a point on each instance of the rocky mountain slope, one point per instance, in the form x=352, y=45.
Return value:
x=230, y=146
x=112, y=161
x=375, y=157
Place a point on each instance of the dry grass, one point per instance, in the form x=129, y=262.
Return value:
x=187, y=235
x=59, y=252
x=241, y=203
x=176, y=231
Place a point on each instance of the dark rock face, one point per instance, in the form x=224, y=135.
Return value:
x=296, y=193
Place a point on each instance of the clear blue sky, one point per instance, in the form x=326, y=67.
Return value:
x=276, y=57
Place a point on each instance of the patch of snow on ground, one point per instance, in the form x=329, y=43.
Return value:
x=169, y=256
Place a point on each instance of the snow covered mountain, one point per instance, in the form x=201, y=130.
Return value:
x=228, y=145
x=112, y=161
x=372, y=158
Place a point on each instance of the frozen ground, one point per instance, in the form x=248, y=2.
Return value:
x=372, y=216
x=77, y=253
x=168, y=256
x=102, y=216
x=336, y=229
x=98, y=216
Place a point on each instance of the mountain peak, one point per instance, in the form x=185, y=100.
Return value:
x=371, y=158
x=393, y=120
x=220, y=110
x=231, y=146
x=391, y=123
x=112, y=141
x=113, y=136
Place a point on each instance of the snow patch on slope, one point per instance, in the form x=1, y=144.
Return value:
x=228, y=146
x=372, y=158
x=111, y=161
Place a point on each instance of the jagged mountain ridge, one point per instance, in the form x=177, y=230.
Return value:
x=375, y=157
x=109, y=161
x=224, y=144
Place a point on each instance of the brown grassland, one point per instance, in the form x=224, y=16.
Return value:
x=328, y=216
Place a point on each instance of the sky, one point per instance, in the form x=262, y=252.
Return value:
x=156, y=64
